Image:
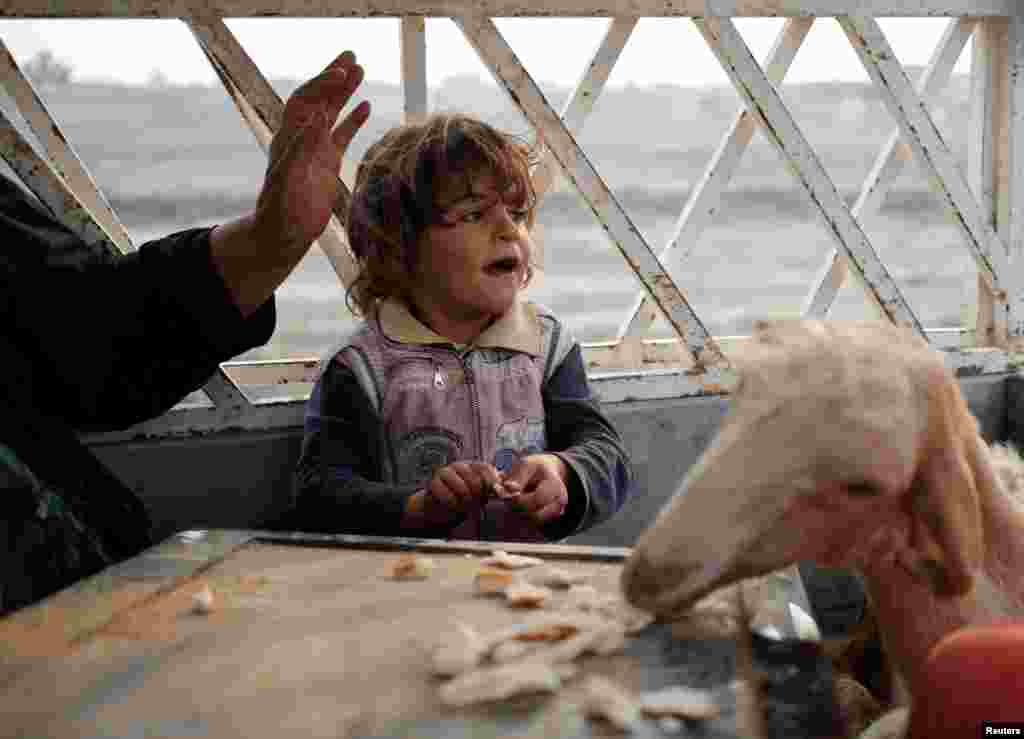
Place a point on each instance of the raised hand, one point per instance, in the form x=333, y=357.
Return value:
x=301, y=185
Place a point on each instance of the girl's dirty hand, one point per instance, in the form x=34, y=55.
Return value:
x=543, y=482
x=463, y=486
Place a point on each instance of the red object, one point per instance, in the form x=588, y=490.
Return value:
x=974, y=675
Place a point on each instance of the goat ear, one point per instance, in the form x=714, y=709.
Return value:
x=946, y=510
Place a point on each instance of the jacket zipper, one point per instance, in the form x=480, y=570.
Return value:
x=474, y=400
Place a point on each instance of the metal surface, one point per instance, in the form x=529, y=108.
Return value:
x=58, y=148
x=705, y=196
x=501, y=8
x=262, y=108
x=41, y=177
x=930, y=151
x=413, y=50
x=694, y=365
x=890, y=163
x=781, y=129
x=588, y=89
x=510, y=74
x=126, y=631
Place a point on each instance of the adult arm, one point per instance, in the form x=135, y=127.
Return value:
x=119, y=340
x=255, y=253
x=114, y=339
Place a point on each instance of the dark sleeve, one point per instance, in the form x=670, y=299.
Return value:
x=122, y=338
x=339, y=484
x=580, y=433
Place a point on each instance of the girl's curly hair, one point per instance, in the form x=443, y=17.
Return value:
x=399, y=187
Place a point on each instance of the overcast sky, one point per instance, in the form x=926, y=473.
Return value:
x=554, y=50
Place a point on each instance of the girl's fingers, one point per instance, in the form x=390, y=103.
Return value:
x=449, y=488
x=549, y=512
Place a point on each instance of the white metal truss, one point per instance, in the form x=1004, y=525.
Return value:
x=502, y=8
x=40, y=176
x=510, y=74
x=60, y=153
x=889, y=163
x=414, y=68
x=985, y=203
x=586, y=92
x=705, y=197
x=776, y=121
x=263, y=109
x=930, y=151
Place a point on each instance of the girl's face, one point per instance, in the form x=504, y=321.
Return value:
x=472, y=264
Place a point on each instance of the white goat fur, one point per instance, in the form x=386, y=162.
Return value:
x=847, y=444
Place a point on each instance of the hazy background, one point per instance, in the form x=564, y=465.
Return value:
x=171, y=155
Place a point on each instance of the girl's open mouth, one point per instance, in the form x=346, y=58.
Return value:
x=503, y=266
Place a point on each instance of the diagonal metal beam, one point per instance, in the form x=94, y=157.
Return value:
x=262, y=108
x=930, y=151
x=889, y=164
x=500, y=8
x=588, y=89
x=60, y=152
x=510, y=74
x=776, y=121
x=413, y=47
x=42, y=179
x=706, y=195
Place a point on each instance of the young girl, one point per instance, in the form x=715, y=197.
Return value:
x=456, y=409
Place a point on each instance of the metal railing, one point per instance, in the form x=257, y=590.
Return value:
x=985, y=203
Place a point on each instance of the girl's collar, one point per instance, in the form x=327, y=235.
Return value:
x=518, y=329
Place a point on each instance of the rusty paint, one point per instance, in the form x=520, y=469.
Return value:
x=502, y=8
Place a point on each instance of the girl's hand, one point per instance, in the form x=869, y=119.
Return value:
x=543, y=480
x=461, y=487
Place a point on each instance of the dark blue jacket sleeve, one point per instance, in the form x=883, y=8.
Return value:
x=116, y=339
x=339, y=485
x=580, y=433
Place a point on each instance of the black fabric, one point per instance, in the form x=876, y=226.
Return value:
x=93, y=341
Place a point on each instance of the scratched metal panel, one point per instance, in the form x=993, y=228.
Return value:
x=889, y=164
x=930, y=151
x=982, y=154
x=587, y=91
x=413, y=52
x=262, y=108
x=778, y=124
x=513, y=77
x=500, y=8
x=1013, y=191
x=122, y=685
x=59, y=150
x=704, y=199
x=40, y=176
x=1015, y=411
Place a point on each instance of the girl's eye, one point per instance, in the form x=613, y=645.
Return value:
x=470, y=216
x=519, y=216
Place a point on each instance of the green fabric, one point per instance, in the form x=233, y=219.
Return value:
x=47, y=546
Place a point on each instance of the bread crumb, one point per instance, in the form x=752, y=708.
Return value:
x=412, y=567
x=202, y=601
x=490, y=581
x=510, y=561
